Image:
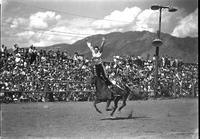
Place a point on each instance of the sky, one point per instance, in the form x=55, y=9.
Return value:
x=48, y=22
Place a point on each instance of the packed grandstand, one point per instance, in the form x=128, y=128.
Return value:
x=41, y=75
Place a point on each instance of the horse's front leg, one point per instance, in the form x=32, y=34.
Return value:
x=108, y=104
x=123, y=105
x=95, y=105
x=116, y=100
x=124, y=98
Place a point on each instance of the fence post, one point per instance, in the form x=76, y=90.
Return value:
x=174, y=87
x=193, y=88
x=181, y=85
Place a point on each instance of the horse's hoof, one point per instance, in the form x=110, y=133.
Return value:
x=112, y=117
x=108, y=109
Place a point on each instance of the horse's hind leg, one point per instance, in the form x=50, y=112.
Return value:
x=95, y=106
x=123, y=105
x=116, y=100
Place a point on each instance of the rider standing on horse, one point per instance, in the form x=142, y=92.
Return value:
x=97, y=60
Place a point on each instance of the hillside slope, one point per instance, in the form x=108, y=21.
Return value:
x=137, y=44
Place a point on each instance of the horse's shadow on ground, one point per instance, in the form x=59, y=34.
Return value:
x=127, y=118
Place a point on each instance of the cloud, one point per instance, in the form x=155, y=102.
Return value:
x=188, y=26
x=16, y=22
x=48, y=28
x=42, y=20
x=127, y=15
x=129, y=19
x=26, y=34
x=4, y=4
x=146, y=20
x=53, y=36
x=136, y=19
x=39, y=20
x=29, y=37
x=117, y=19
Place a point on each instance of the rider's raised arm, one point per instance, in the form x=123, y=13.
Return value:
x=90, y=46
x=102, y=44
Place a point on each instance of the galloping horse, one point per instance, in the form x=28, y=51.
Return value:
x=103, y=93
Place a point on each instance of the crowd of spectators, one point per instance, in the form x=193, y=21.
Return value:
x=32, y=73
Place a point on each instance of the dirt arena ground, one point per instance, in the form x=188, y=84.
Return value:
x=154, y=119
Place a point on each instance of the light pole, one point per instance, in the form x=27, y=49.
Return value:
x=158, y=42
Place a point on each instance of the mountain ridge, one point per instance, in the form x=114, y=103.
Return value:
x=135, y=43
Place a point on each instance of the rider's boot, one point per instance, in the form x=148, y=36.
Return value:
x=109, y=84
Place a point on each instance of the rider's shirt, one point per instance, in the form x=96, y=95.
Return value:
x=97, y=60
x=96, y=57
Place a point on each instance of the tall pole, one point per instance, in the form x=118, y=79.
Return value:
x=158, y=42
x=159, y=30
x=157, y=56
x=0, y=22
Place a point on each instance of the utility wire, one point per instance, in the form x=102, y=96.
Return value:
x=63, y=33
x=46, y=33
x=72, y=14
x=58, y=32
